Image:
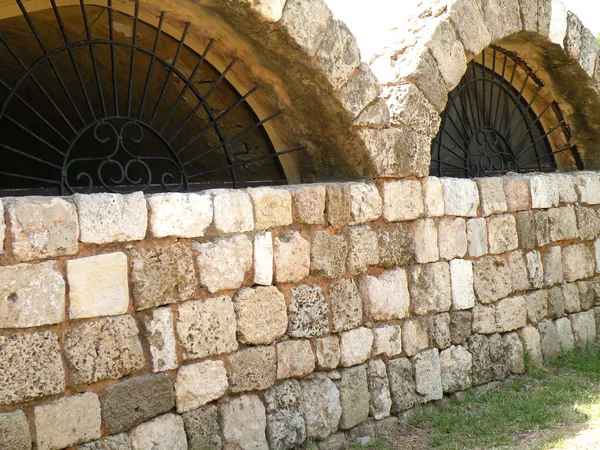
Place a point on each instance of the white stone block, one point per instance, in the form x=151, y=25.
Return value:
x=160, y=336
x=166, y=432
x=433, y=196
x=426, y=241
x=387, y=340
x=232, y=210
x=544, y=192
x=200, y=383
x=502, y=233
x=477, y=237
x=180, y=215
x=588, y=187
x=263, y=259
x=309, y=203
x=355, y=346
x=428, y=375
x=365, y=202
x=452, y=237
x=461, y=197
x=402, y=200
x=385, y=297
x=272, y=207
x=491, y=193
x=292, y=257
x=461, y=278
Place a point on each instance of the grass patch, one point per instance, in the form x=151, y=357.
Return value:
x=372, y=444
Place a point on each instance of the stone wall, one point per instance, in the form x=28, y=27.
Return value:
x=261, y=318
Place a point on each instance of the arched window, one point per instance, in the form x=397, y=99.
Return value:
x=498, y=120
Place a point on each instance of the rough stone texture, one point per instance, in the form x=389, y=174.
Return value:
x=272, y=207
x=518, y=196
x=339, y=205
x=385, y=297
x=339, y=55
x=428, y=378
x=180, y=215
x=346, y=304
x=530, y=337
x=477, y=237
x=375, y=115
x=577, y=262
x=166, y=432
x=415, y=336
x=566, y=186
x=263, y=259
x=544, y=192
x=223, y=263
x=562, y=224
x=202, y=428
x=116, y=442
x=328, y=254
x=253, y=368
x=513, y=349
x=206, y=327
x=572, y=302
x=556, y=303
x=439, y=330
x=553, y=272
x=309, y=203
x=433, y=197
x=232, y=211
x=470, y=27
x=261, y=315
x=584, y=327
x=518, y=271
x=295, y=358
x=197, y=384
x=321, y=407
x=31, y=295
x=587, y=294
x=461, y=197
x=542, y=228
x=14, y=431
x=328, y=352
x=535, y=269
x=484, y=319
x=481, y=370
x=133, y=401
x=452, y=238
x=307, y=312
x=365, y=202
x=549, y=339
x=285, y=422
x=498, y=357
x=364, y=251
x=491, y=194
x=355, y=346
x=565, y=334
x=102, y=349
x=426, y=241
x=430, y=288
x=292, y=257
x=402, y=200
x=588, y=188
x=67, y=421
x=387, y=340
x=354, y=396
x=597, y=253
x=588, y=223
x=402, y=384
x=105, y=218
x=41, y=228
x=461, y=278
x=306, y=23
x=455, y=364
x=379, y=389
x=449, y=54
x=537, y=305
x=526, y=229
x=460, y=326
x=492, y=280
x=396, y=246
x=98, y=286
x=502, y=233
x=511, y=313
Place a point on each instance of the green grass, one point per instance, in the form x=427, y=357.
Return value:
x=374, y=444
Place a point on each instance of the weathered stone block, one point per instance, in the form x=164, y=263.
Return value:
x=502, y=17
x=285, y=423
x=408, y=100
x=481, y=369
x=565, y=185
x=402, y=384
x=402, y=200
x=526, y=229
x=387, y=340
x=530, y=337
x=376, y=115
x=514, y=352
x=584, y=328
x=586, y=294
x=426, y=241
x=553, y=272
x=263, y=259
x=307, y=312
x=542, y=228
x=433, y=197
x=549, y=339
x=461, y=278
x=207, y=327
x=102, y=349
x=565, y=334
x=379, y=389
x=14, y=431
x=328, y=254
x=460, y=326
x=477, y=237
x=295, y=358
x=492, y=279
x=385, y=297
x=428, y=377
x=115, y=442
x=360, y=90
x=355, y=346
x=180, y=214
x=396, y=246
x=537, y=305
x=105, y=218
x=511, y=314
x=449, y=54
x=439, y=330
x=452, y=238
x=261, y=314
x=461, y=197
x=415, y=336
x=517, y=191
x=572, y=301
x=164, y=432
x=346, y=304
x=202, y=428
x=491, y=194
x=338, y=55
x=321, y=407
x=200, y=383
x=455, y=365
x=588, y=187
x=328, y=352
x=310, y=30
x=339, y=205
x=535, y=270
x=232, y=211
x=588, y=223
x=498, y=357
x=364, y=251
x=254, y=368
x=502, y=233
x=518, y=271
x=272, y=207
x=562, y=223
x=544, y=192
x=577, y=262
x=309, y=203
x=354, y=396
x=556, y=302
x=292, y=257
x=365, y=202
x=484, y=319
x=429, y=286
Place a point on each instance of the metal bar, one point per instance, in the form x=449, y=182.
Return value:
x=538, y=140
x=132, y=60
x=500, y=91
x=550, y=155
x=537, y=120
x=151, y=66
x=112, y=59
x=26, y=177
x=34, y=135
x=93, y=56
x=28, y=156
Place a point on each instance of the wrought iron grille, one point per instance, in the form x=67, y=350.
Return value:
x=490, y=126
x=96, y=100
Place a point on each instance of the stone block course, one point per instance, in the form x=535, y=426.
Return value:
x=452, y=238
x=428, y=377
x=396, y=246
x=286, y=427
x=346, y=304
x=180, y=214
x=530, y=337
x=549, y=339
x=535, y=269
x=354, y=396
x=232, y=211
x=460, y=326
x=526, y=229
x=544, y=192
x=477, y=237
x=455, y=369
x=263, y=259
x=307, y=312
x=365, y=201
x=402, y=384
x=387, y=340
x=433, y=197
x=461, y=278
x=565, y=334
x=511, y=313
x=364, y=250
x=254, y=368
x=380, y=399
x=261, y=314
x=518, y=271
x=562, y=224
x=426, y=241
x=481, y=368
x=588, y=187
x=309, y=203
x=328, y=255
x=484, y=319
x=385, y=297
x=165, y=431
x=328, y=352
x=272, y=207
x=577, y=262
x=517, y=191
x=461, y=197
x=556, y=302
x=553, y=271
x=584, y=328
x=292, y=257
x=295, y=358
x=502, y=233
x=355, y=346
x=14, y=431
x=321, y=407
x=402, y=200
x=588, y=223
x=537, y=305
x=415, y=336
x=491, y=194
x=199, y=383
x=429, y=286
x=492, y=279
x=514, y=352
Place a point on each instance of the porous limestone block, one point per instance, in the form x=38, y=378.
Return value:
x=98, y=286
x=41, y=227
x=31, y=295
x=206, y=327
x=511, y=314
x=477, y=237
x=449, y=54
x=309, y=203
x=428, y=376
x=364, y=250
x=584, y=328
x=517, y=192
x=159, y=335
x=415, y=336
x=597, y=254
x=105, y=218
x=295, y=358
x=461, y=197
x=426, y=241
x=439, y=330
x=408, y=101
x=556, y=302
x=379, y=389
x=307, y=312
x=514, y=352
x=588, y=222
x=328, y=254
x=14, y=431
x=164, y=432
x=518, y=271
x=339, y=205
x=385, y=297
x=577, y=262
x=572, y=302
x=565, y=334
x=549, y=339
x=355, y=346
x=402, y=200
x=232, y=210
x=562, y=224
x=115, y=442
x=180, y=214
x=452, y=238
x=321, y=407
x=338, y=55
x=433, y=197
x=491, y=194
x=500, y=369
x=455, y=366
x=588, y=187
x=67, y=421
x=484, y=319
x=536, y=303
x=502, y=233
x=263, y=259
x=345, y=303
x=396, y=246
x=527, y=229
x=461, y=323
x=292, y=257
x=254, y=368
x=387, y=340
x=491, y=279
x=535, y=269
x=223, y=263
x=286, y=427
x=542, y=228
x=261, y=314
x=502, y=17
x=553, y=271
x=402, y=384
x=365, y=202
x=566, y=186
x=201, y=427
x=272, y=207
x=360, y=90
x=429, y=286
x=530, y=337
x=544, y=192
x=376, y=115
x=200, y=383
x=461, y=279
x=481, y=371
x=354, y=396
x=328, y=352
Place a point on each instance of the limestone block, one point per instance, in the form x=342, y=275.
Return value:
x=588, y=187
x=270, y=11
x=549, y=339
x=500, y=369
x=572, y=301
x=402, y=200
x=295, y=358
x=556, y=302
x=597, y=254
x=98, y=286
x=115, y=442
x=307, y=312
x=530, y=337
x=321, y=407
x=433, y=197
x=588, y=223
x=385, y=297
x=481, y=369
x=517, y=192
x=553, y=271
x=102, y=349
x=360, y=90
x=14, y=431
x=514, y=352
x=364, y=251
x=544, y=192
x=511, y=314
x=309, y=203
x=461, y=278
x=200, y=383
x=455, y=365
x=223, y=263
x=387, y=340
x=452, y=238
x=577, y=262
x=477, y=237
x=502, y=17
x=491, y=194
x=584, y=328
x=339, y=205
x=449, y=54
x=428, y=377
x=202, y=428
x=586, y=294
x=30, y=367
x=518, y=271
x=206, y=327
x=285, y=422
x=272, y=207
x=130, y=402
x=355, y=346
x=429, y=286
x=254, y=368
x=365, y=202
x=502, y=233
x=346, y=304
x=415, y=336
x=339, y=55
x=460, y=326
x=439, y=330
x=376, y=115
x=31, y=295
x=542, y=228
x=402, y=384
x=292, y=257
x=162, y=275
x=579, y=44
x=180, y=214
x=562, y=223
x=535, y=270
x=484, y=319
x=166, y=432
x=461, y=197
x=328, y=352
x=263, y=259
x=396, y=246
x=232, y=211
x=426, y=241
x=380, y=401
x=565, y=334
x=566, y=186
x=537, y=305
x=408, y=101
x=526, y=229
x=558, y=22
x=105, y=218
x=261, y=315
x=492, y=279
x=67, y=421
x=41, y=227
x=354, y=396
